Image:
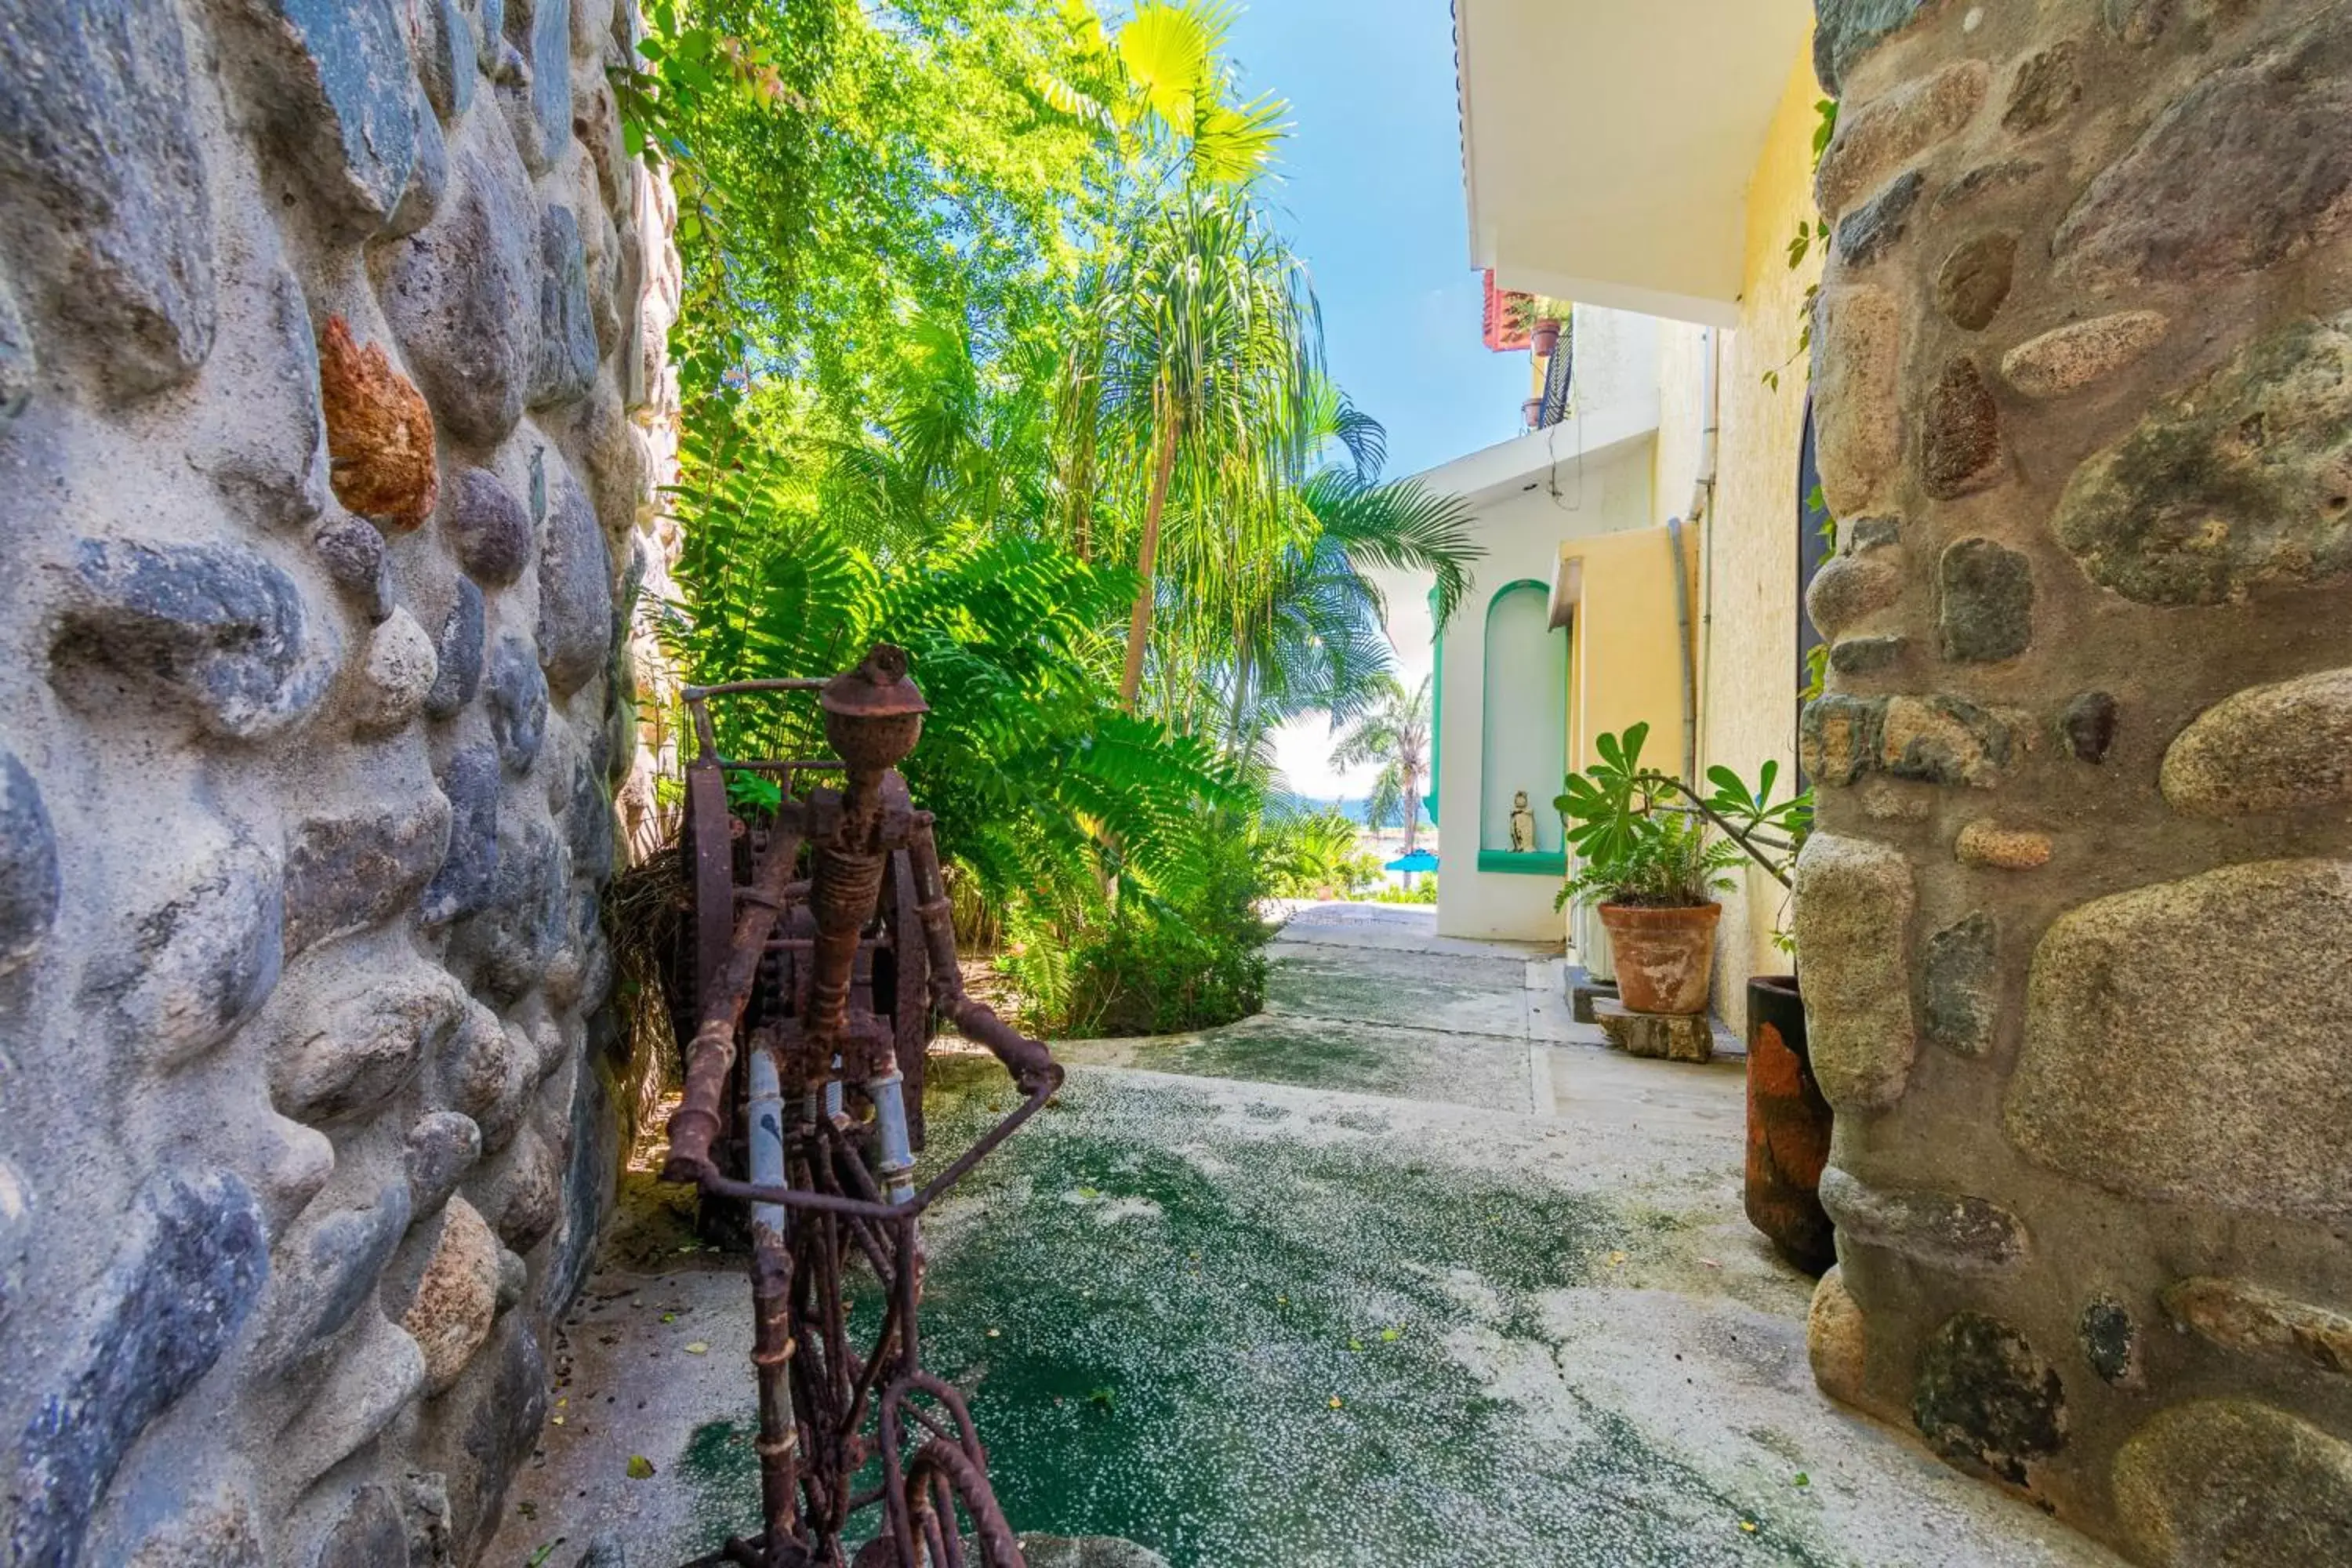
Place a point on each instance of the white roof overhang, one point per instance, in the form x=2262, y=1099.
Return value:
x=1607, y=144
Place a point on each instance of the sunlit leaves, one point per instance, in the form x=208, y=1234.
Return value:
x=1231, y=143
x=1167, y=51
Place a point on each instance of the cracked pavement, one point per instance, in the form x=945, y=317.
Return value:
x=1407, y=1269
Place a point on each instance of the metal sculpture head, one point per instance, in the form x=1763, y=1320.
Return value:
x=874, y=714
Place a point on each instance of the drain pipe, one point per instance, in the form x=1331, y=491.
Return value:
x=1683, y=643
x=1702, y=512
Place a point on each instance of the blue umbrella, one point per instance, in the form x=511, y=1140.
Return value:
x=1419, y=860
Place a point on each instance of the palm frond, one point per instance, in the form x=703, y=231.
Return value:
x=1401, y=525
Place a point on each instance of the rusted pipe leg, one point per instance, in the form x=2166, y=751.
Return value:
x=771, y=1292
x=695, y=1123
x=1032, y=1066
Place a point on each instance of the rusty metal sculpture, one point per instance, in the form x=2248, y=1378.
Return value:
x=837, y=1010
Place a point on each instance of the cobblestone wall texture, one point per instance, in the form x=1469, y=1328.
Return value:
x=331, y=338
x=2085, y=410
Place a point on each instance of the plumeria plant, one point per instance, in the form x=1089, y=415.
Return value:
x=1645, y=837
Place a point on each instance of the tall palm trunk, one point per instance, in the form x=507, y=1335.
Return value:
x=1138, y=623
x=1412, y=807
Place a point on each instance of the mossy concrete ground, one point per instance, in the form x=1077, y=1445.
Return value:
x=1332, y=1286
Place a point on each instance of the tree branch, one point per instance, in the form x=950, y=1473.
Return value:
x=1731, y=830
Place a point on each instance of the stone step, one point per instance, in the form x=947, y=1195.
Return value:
x=1672, y=1036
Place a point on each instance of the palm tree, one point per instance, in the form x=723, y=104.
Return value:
x=1214, y=341
x=1162, y=92
x=1393, y=732
x=1303, y=631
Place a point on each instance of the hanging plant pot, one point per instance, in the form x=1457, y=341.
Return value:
x=1530, y=411
x=1664, y=956
x=1788, y=1125
x=1545, y=337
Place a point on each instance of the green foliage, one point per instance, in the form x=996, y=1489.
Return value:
x=1673, y=863
x=1802, y=245
x=1817, y=503
x=1810, y=232
x=1317, y=855
x=753, y=791
x=839, y=165
x=1761, y=826
x=1817, y=657
x=956, y=274
x=1632, y=845
x=1070, y=816
x=1825, y=116
x=1187, y=956
x=1817, y=667
x=1422, y=891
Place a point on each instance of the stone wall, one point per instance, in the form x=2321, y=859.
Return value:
x=321, y=325
x=2077, y=931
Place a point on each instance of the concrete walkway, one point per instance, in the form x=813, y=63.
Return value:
x=1407, y=1270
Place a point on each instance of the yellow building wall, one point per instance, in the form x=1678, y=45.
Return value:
x=1747, y=626
x=1624, y=667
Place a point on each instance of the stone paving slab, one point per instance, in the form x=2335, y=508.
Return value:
x=1263, y=1326
x=1400, y=969
x=1309, y=1291
x=1606, y=1088
x=1343, y=1054
x=1409, y=989
x=1410, y=927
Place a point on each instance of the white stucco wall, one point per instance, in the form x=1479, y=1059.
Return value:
x=1589, y=474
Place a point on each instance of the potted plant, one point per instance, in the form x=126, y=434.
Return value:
x=1544, y=336
x=1639, y=832
x=1655, y=866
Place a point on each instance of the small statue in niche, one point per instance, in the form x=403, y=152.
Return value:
x=1523, y=825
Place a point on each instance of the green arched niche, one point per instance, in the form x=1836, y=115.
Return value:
x=1523, y=728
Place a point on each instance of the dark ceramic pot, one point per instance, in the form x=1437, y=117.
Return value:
x=1788, y=1128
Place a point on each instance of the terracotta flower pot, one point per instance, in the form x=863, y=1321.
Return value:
x=1664, y=956
x=1544, y=338
x=1788, y=1128
x=1530, y=411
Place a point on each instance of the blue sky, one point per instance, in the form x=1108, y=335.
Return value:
x=1372, y=196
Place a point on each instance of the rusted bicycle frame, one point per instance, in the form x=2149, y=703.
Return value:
x=836, y=1010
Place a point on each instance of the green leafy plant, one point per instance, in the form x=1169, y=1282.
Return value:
x=1644, y=837
x=1317, y=855
x=1817, y=657
x=1817, y=665
x=1423, y=891
x=1825, y=118
x=1184, y=954
x=1810, y=232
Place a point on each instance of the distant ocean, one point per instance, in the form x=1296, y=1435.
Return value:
x=1307, y=804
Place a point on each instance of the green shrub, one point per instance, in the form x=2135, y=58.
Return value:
x=1316, y=855
x=1190, y=959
